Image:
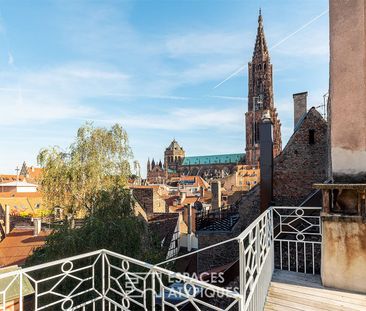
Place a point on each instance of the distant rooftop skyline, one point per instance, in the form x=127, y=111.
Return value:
x=159, y=68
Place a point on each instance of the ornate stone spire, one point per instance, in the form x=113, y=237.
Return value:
x=260, y=49
x=260, y=98
x=148, y=165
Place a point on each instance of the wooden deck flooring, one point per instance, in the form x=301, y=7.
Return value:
x=290, y=291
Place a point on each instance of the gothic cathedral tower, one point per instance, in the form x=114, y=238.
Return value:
x=260, y=99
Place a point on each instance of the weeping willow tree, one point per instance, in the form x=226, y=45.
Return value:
x=89, y=179
x=97, y=161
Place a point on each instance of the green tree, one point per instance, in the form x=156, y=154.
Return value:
x=97, y=161
x=111, y=226
x=90, y=179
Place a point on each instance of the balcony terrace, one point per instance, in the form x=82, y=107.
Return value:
x=282, y=240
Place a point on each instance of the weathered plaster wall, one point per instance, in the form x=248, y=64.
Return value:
x=344, y=253
x=348, y=89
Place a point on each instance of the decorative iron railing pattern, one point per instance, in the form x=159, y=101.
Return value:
x=297, y=239
x=107, y=281
x=256, y=261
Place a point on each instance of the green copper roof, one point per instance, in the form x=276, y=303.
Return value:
x=215, y=159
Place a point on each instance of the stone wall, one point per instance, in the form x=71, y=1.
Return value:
x=303, y=162
x=228, y=252
x=344, y=252
x=249, y=209
x=216, y=256
x=149, y=199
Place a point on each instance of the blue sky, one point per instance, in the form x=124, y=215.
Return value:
x=151, y=66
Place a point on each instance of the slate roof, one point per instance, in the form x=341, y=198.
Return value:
x=163, y=226
x=233, y=158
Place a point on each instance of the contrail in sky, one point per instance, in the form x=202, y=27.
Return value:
x=276, y=45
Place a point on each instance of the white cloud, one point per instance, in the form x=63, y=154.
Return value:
x=230, y=97
x=56, y=93
x=206, y=43
x=33, y=107
x=311, y=44
x=87, y=73
x=183, y=119
x=10, y=59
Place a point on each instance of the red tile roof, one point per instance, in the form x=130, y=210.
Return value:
x=145, y=187
x=20, y=195
x=8, y=178
x=19, y=245
x=34, y=173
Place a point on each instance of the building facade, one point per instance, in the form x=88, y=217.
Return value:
x=260, y=99
x=173, y=156
x=206, y=166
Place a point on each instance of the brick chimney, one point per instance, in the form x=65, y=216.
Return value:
x=266, y=161
x=183, y=196
x=300, y=106
x=216, y=194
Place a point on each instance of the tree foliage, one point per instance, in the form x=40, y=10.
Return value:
x=97, y=161
x=111, y=226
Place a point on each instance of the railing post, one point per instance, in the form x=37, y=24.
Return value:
x=271, y=238
x=103, y=280
x=153, y=290
x=21, y=291
x=242, y=277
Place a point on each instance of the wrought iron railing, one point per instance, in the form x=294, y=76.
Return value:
x=297, y=239
x=104, y=280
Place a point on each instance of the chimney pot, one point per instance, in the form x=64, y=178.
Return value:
x=7, y=219
x=37, y=226
x=183, y=196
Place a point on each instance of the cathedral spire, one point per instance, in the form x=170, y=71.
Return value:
x=148, y=165
x=260, y=18
x=260, y=49
x=260, y=97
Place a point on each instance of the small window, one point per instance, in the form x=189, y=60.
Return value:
x=311, y=137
